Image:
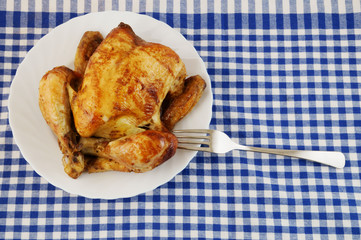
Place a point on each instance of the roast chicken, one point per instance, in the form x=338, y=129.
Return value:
x=116, y=110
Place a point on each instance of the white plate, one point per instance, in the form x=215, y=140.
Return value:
x=37, y=143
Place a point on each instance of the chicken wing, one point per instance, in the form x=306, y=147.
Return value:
x=179, y=106
x=87, y=45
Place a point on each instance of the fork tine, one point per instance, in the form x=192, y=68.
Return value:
x=184, y=141
x=193, y=137
x=193, y=134
x=207, y=131
x=187, y=138
x=203, y=149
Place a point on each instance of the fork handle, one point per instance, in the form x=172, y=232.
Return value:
x=334, y=159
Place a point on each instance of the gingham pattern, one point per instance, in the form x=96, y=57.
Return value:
x=284, y=74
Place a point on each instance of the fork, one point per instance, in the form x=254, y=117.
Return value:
x=214, y=141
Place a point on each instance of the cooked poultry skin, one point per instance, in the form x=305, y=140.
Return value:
x=55, y=107
x=124, y=85
x=87, y=45
x=96, y=164
x=139, y=152
x=182, y=104
x=116, y=110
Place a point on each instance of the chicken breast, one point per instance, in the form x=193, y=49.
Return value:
x=124, y=85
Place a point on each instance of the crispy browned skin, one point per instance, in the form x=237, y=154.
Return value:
x=181, y=105
x=138, y=153
x=124, y=85
x=87, y=45
x=99, y=164
x=55, y=107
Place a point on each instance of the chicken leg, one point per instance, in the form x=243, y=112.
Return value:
x=96, y=164
x=138, y=153
x=55, y=107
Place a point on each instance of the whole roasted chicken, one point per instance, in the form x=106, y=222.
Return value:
x=116, y=110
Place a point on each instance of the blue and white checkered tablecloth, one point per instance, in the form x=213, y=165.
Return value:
x=285, y=74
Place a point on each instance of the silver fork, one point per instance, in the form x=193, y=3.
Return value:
x=208, y=140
